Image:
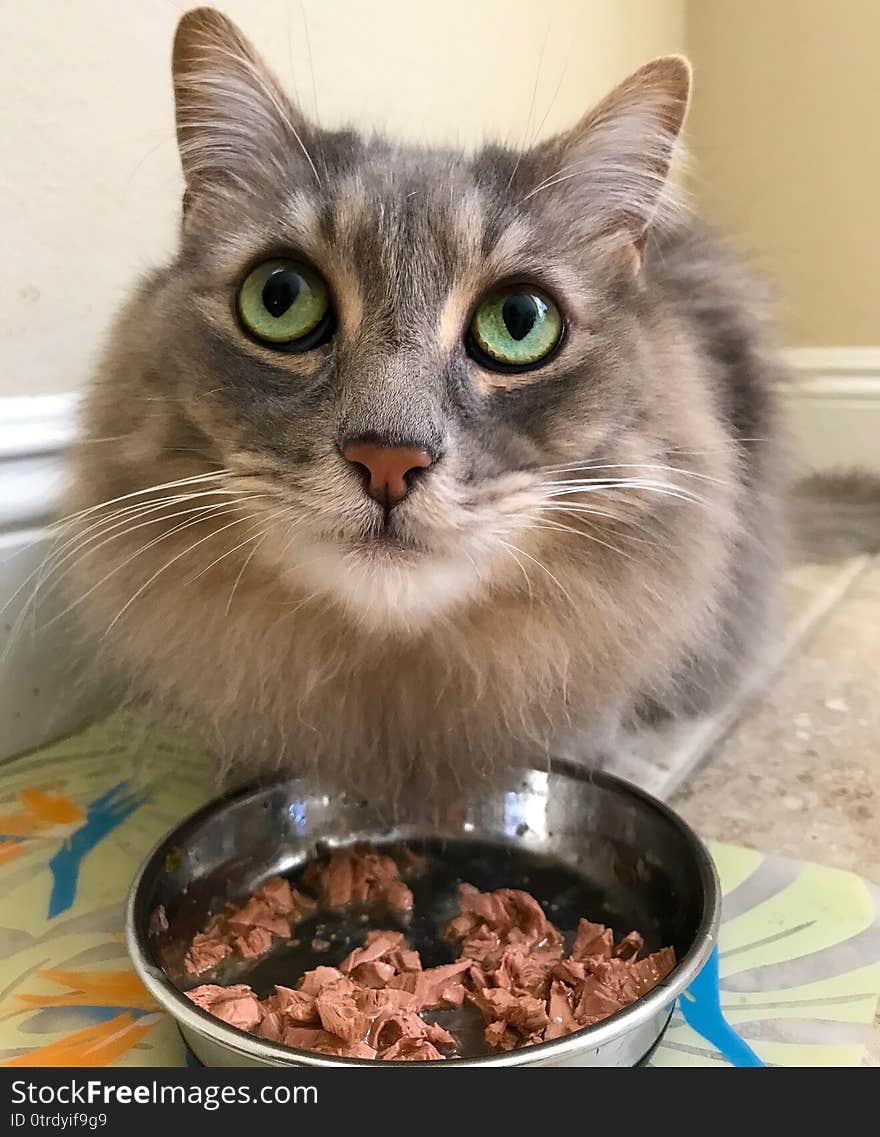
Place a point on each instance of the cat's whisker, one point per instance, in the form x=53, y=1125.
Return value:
x=301, y=604
x=587, y=467
x=552, y=504
x=63, y=525
x=555, y=527
x=543, y=568
x=139, y=552
x=189, y=549
x=537, y=131
x=664, y=489
x=521, y=567
x=660, y=491
x=617, y=480
x=138, y=509
x=125, y=527
x=292, y=537
x=213, y=475
x=82, y=546
x=473, y=565
x=557, y=505
x=235, y=548
x=620, y=493
x=244, y=566
x=617, y=495
x=581, y=512
x=48, y=569
x=43, y=566
x=548, y=523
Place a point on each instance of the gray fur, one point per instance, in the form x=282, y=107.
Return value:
x=481, y=625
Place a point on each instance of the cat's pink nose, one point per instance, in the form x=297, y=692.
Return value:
x=388, y=469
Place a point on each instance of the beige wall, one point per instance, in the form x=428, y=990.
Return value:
x=88, y=169
x=785, y=130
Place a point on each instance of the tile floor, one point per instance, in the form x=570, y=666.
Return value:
x=799, y=771
x=793, y=765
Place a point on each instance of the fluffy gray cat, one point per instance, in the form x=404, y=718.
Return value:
x=413, y=459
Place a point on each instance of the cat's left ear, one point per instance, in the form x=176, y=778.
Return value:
x=609, y=173
x=235, y=125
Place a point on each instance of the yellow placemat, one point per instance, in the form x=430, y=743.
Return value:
x=800, y=944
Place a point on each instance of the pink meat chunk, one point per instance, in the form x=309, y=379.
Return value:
x=592, y=939
x=375, y=974
x=247, y=930
x=236, y=1005
x=313, y=981
x=294, y=1006
x=358, y=876
x=630, y=947
x=284, y=900
x=376, y=947
x=278, y=894
x=339, y=1013
x=435, y=987
x=391, y=1026
x=512, y=966
x=206, y=951
x=253, y=943
x=559, y=1011
x=257, y=914
x=411, y=1050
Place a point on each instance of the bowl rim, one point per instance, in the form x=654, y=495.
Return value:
x=198, y=1021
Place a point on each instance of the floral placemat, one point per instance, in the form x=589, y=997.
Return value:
x=799, y=944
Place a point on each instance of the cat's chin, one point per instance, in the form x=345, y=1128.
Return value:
x=386, y=585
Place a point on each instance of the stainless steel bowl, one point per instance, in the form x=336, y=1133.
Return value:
x=586, y=843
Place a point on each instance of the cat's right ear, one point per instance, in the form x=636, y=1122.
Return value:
x=235, y=125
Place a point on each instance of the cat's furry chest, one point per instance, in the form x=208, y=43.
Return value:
x=276, y=681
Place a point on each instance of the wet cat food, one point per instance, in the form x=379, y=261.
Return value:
x=513, y=967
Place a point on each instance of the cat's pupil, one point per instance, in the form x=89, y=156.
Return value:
x=280, y=291
x=519, y=313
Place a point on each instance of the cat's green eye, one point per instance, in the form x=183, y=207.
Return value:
x=514, y=328
x=285, y=304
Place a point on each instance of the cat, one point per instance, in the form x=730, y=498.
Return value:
x=419, y=460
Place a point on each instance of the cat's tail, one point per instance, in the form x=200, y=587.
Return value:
x=834, y=515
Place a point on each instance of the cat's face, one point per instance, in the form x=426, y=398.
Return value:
x=407, y=352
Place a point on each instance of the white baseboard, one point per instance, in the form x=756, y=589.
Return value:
x=39, y=697
x=37, y=424
x=833, y=406
x=35, y=433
